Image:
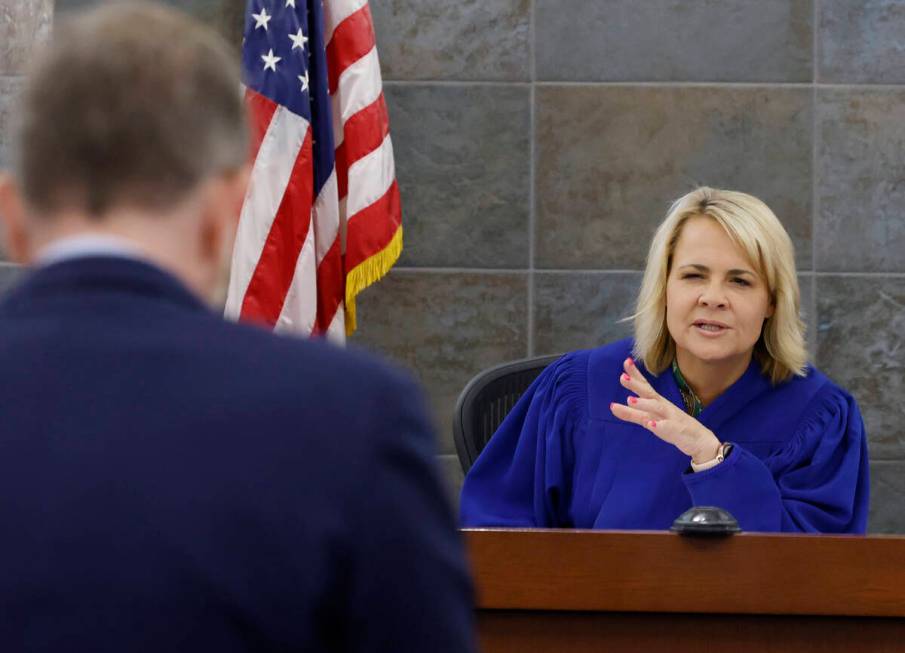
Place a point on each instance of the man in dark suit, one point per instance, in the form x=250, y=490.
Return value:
x=170, y=481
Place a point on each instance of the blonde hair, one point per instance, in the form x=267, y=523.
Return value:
x=754, y=228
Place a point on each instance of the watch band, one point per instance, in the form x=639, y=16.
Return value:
x=721, y=453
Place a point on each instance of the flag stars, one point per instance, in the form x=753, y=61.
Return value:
x=261, y=19
x=304, y=80
x=290, y=3
x=298, y=40
x=270, y=61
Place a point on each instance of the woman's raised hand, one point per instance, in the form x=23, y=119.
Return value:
x=663, y=418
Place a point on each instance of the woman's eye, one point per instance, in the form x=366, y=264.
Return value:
x=741, y=282
x=691, y=275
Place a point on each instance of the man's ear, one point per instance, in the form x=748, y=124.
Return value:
x=13, y=219
x=238, y=186
x=222, y=199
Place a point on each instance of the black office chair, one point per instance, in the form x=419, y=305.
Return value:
x=486, y=401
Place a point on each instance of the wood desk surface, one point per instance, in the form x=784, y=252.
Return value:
x=649, y=571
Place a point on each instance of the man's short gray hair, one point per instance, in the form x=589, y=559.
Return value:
x=130, y=105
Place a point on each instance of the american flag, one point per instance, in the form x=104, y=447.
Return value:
x=322, y=218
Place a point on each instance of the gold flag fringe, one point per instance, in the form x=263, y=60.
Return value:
x=369, y=271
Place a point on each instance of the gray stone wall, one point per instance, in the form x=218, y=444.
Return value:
x=538, y=143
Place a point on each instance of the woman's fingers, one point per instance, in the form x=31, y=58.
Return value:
x=662, y=427
x=654, y=407
x=633, y=415
x=634, y=380
x=648, y=409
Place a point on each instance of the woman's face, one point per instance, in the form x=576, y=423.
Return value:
x=716, y=302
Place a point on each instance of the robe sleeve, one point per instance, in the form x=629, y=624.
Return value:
x=817, y=483
x=523, y=475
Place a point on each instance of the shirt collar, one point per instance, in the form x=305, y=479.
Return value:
x=87, y=245
x=693, y=404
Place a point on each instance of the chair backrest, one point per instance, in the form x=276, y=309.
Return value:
x=487, y=399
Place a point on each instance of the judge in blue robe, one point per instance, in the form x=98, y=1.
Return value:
x=711, y=403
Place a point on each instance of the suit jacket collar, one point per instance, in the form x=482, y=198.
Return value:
x=99, y=274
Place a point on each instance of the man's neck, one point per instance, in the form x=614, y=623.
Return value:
x=708, y=379
x=165, y=241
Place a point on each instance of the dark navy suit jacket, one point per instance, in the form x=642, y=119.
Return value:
x=170, y=481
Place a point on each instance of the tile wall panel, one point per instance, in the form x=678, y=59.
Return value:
x=579, y=310
x=463, y=156
x=445, y=327
x=861, y=346
x=674, y=40
x=63, y=6
x=610, y=159
x=860, y=41
x=860, y=171
x=463, y=40
x=809, y=312
x=24, y=24
x=226, y=16
x=10, y=87
x=887, y=498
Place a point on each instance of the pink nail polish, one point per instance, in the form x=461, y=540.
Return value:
x=630, y=361
x=652, y=424
x=626, y=377
x=632, y=401
x=612, y=404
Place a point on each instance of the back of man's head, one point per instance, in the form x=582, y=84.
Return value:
x=131, y=106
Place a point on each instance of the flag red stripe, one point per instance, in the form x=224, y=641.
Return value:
x=352, y=39
x=273, y=274
x=372, y=228
x=331, y=287
x=362, y=134
x=260, y=113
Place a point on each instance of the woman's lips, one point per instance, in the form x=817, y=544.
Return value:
x=710, y=329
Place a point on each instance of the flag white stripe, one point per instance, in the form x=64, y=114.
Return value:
x=359, y=86
x=336, y=11
x=326, y=217
x=337, y=117
x=336, y=332
x=300, y=306
x=269, y=177
x=370, y=177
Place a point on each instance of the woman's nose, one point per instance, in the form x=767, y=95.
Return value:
x=713, y=296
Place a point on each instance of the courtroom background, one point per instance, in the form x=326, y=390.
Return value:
x=539, y=142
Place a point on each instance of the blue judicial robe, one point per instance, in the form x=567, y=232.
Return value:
x=561, y=459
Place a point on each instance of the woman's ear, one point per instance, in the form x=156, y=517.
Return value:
x=13, y=219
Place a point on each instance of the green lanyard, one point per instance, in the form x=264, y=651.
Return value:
x=693, y=405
